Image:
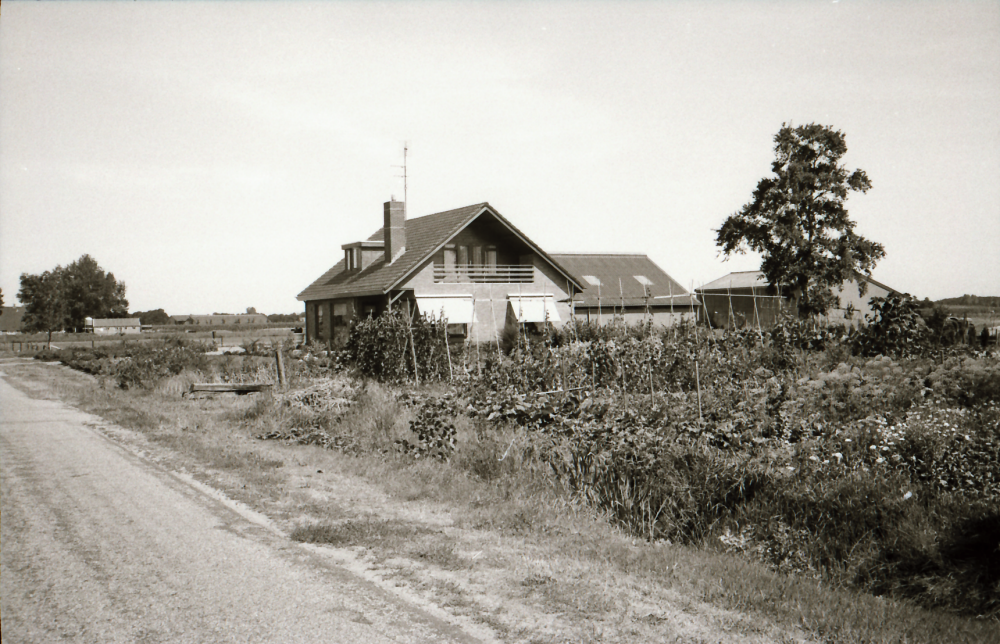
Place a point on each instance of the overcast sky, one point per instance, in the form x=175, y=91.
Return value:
x=216, y=155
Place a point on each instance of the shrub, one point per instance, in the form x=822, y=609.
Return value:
x=144, y=365
x=434, y=430
x=384, y=347
x=894, y=328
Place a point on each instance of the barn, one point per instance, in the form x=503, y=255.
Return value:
x=746, y=298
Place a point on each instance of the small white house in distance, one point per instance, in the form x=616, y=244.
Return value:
x=112, y=326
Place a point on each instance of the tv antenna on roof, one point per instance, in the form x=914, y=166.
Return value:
x=406, y=147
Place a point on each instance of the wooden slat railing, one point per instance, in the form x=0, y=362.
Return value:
x=485, y=274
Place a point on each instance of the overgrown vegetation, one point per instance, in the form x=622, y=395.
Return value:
x=861, y=460
x=390, y=348
x=868, y=459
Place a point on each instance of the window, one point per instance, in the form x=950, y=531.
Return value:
x=593, y=280
x=491, y=259
x=339, y=313
x=463, y=255
x=642, y=279
x=477, y=255
x=352, y=259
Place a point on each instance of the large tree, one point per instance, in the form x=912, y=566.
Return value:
x=63, y=297
x=90, y=292
x=798, y=223
x=44, y=305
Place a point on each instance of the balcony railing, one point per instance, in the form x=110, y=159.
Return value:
x=485, y=274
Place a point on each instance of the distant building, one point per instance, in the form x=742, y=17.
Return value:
x=112, y=326
x=745, y=298
x=10, y=321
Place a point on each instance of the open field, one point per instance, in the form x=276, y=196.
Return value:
x=490, y=533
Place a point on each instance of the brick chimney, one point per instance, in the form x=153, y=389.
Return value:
x=394, y=229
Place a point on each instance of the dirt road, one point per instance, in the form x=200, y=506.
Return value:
x=100, y=545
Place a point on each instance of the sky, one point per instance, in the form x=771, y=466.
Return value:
x=215, y=156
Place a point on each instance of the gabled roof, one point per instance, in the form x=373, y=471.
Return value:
x=621, y=278
x=424, y=237
x=756, y=279
x=739, y=279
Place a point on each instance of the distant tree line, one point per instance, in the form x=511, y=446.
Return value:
x=971, y=300
x=160, y=317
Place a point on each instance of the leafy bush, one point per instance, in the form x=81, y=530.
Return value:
x=144, y=365
x=434, y=430
x=384, y=347
x=894, y=328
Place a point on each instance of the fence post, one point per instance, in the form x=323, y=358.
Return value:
x=281, y=368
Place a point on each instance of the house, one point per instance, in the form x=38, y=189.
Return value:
x=112, y=326
x=745, y=297
x=10, y=320
x=629, y=287
x=469, y=264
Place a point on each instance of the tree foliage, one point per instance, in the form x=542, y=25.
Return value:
x=63, y=297
x=44, y=306
x=157, y=316
x=893, y=328
x=798, y=223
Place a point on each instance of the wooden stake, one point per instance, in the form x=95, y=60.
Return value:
x=493, y=314
x=281, y=368
x=697, y=379
x=413, y=346
x=451, y=373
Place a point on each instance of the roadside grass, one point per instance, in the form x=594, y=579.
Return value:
x=543, y=549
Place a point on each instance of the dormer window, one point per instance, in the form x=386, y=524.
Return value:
x=351, y=259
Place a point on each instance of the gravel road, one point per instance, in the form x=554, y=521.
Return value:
x=101, y=545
